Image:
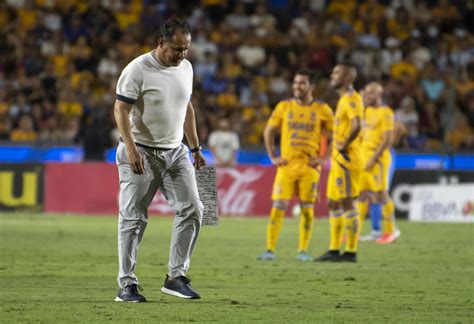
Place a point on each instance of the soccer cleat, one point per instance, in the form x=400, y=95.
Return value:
x=130, y=294
x=347, y=257
x=373, y=236
x=303, y=256
x=397, y=232
x=329, y=256
x=387, y=238
x=266, y=256
x=179, y=287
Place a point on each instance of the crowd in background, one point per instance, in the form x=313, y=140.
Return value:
x=60, y=60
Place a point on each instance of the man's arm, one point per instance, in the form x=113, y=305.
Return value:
x=385, y=144
x=355, y=129
x=121, y=111
x=316, y=160
x=191, y=135
x=269, y=138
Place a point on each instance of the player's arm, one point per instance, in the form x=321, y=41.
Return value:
x=326, y=139
x=191, y=135
x=355, y=129
x=387, y=139
x=387, y=130
x=327, y=131
x=398, y=133
x=121, y=112
x=269, y=138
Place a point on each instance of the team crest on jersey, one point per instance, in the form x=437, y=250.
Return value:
x=352, y=104
x=313, y=116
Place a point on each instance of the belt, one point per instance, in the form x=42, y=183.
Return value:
x=149, y=147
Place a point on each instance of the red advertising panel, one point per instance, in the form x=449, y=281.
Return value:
x=81, y=188
x=93, y=188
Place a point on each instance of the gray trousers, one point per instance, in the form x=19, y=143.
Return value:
x=173, y=174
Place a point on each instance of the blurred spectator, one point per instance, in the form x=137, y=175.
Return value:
x=430, y=125
x=51, y=132
x=262, y=22
x=108, y=65
x=390, y=54
x=433, y=86
x=224, y=144
x=21, y=107
x=251, y=54
x=207, y=67
x=238, y=19
x=408, y=116
x=461, y=136
x=25, y=131
x=94, y=132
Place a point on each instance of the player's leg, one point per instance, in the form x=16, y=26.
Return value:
x=136, y=193
x=351, y=215
x=391, y=233
x=369, y=184
x=275, y=223
x=362, y=205
x=336, y=231
x=180, y=189
x=305, y=230
x=335, y=190
x=283, y=190
x=388, y=165
x=308, y=193
x=375, y=212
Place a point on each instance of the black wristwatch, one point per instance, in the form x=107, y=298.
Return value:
x=196, y=149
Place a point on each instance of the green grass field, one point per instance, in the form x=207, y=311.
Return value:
x=57, y=269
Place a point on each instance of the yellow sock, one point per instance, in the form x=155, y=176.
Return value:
x=274, y=227
x=388, y=219
x=363, y=210
x=336, y=227
x=306, y=228
x=352, y=230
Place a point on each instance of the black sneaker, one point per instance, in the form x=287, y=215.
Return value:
x=130, y=294
x=329, y=256
x=179, y=287
x=347, y=257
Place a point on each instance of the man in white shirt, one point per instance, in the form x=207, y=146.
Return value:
x=224, y=144
x=153, y=110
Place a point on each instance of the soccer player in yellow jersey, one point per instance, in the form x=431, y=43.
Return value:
x=302, y=121
x=343, y=182
x=378, y=131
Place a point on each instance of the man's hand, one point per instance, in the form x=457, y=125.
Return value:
x=370, y=164
x=341, y=147
x=199, y=160
x=314, y=161
x=137, y=163
x=278, y=161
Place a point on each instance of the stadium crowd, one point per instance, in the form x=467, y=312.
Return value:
x=60, y=61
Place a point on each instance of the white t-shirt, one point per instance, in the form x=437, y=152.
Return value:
x=225, y=144
x=159, y=96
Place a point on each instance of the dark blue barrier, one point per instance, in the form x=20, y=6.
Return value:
x=409, y=161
